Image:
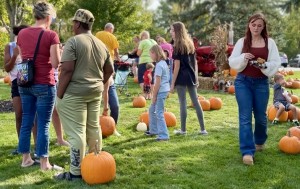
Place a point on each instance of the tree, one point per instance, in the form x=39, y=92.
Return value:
x=128, y=17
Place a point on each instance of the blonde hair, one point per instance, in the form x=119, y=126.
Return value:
x=149, y=65
x=161, y=40
x=145, y=34
x=160, y=54
x=277, y=77
x=43, y=9
x=183, y=44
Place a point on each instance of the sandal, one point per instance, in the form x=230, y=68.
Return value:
x=67, y=176
x=56, y=168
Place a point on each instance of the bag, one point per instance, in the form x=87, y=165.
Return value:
x=25, y=75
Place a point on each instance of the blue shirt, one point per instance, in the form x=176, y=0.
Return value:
x=162, y=70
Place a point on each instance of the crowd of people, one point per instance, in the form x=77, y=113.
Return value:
x=86, y=69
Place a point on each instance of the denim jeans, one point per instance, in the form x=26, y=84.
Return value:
x=181, y=91
x=113, y=102
x=252, y=95
x=157, y=123
x=37, y=100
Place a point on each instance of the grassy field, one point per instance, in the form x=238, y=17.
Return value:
x=192, y=161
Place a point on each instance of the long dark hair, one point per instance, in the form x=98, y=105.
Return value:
x=248, y=36
x=183, y=43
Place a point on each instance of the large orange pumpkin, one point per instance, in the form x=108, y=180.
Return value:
x=231, y=89
x=170, y=119
x=199, y=98
x=107, y=125
x=135, y=80
x=215, y=103
x=294, y=131
x=144, y=117
x=291, y=72
x=295, y=99
x=233, y=72
x=98, y=168
x=205, y=104
x=289, y=84
x=6, y=79
x=139, y=102
x=289, y=144
x=296, y=85
x=272, y=114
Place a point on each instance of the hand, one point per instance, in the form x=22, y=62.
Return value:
x=154, y=100
x=172, y=88
x=59, y=96
x=105, y=112
x=248, y=56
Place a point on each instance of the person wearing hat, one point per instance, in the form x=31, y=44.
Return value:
x=85, y=67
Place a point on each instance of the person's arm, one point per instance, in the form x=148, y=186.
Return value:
x=237, y=59
x=55, y=54
x=196, y=71
x=9, y=62
x=273, y=63
x=67, y=69
x=175, y=74
x=108, y=69
x=156, y=88
x=139, y=52
x=117, y=57
x=106, y=97
x=150, y=77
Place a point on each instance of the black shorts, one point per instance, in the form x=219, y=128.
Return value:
x=141, y=71
x=147, y=89
x=14, y=89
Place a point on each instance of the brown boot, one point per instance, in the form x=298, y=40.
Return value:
x=248, y=160
x=259, y=148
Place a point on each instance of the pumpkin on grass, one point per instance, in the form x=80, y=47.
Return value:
x=139, y=102
x=272, y=114
x=231, y=89
x=215, y=103
x=6, y=79
x=199, y=98
x=295, y=99
x=296, y=85
x=107, y=125
x=144, y=117
x=205, y=104
x=141, y=126
x=170, y=119
x=98, y=168
x=294, y=131
x=289, y=144
x=135, y=80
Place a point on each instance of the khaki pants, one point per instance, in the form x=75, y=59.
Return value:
x=79, y=116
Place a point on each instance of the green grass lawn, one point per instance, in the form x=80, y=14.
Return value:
x=191, y=161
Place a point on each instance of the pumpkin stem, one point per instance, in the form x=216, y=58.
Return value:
x=289, y=133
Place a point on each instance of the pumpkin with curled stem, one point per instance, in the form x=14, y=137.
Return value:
x=289, y=144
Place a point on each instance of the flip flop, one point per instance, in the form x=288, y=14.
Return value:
x=33, y=164
x=66, y=176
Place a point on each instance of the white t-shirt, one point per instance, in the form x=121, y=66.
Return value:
x=13, y=73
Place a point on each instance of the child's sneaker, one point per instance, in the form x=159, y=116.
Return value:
x=296, y=122
x=147, y=133
x=179, y=132
x=204, y=132
x=275, y=122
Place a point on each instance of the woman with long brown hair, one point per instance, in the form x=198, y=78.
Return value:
x=256, y=58
x=185, y=75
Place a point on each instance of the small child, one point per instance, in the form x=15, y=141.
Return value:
x=282, y=100
x=147, y=80
x=157, y=123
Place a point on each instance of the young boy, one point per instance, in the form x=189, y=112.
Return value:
x=282, y=100
x=147, y=80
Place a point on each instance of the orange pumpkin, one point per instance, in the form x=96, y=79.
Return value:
x=290, y=80
x=296, y=85
x=272, y=114
x=6, y=79
x=144, y=117
x=233, y=72
x=291, y=72
x=289, y=144
x=199, y=98
x=135, y=80
x=289, y=84
x=107, y=125
x=98, y=168
x=170, y=119
x=295, y=99
x=139, y=102
x=215, y=103
x=205, y=104
x=294, y=131
x=231, y=89
x=290, y=115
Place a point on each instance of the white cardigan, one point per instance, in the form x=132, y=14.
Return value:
x=238, y=62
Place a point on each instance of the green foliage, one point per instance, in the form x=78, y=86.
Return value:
x=128, y=17
x=292, y=33
x=4, y=39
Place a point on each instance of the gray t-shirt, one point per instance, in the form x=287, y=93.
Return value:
x=162, y=70
x=278, y=93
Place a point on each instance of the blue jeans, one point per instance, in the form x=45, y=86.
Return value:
x=252, y=95
x=157, y=123
x=113, y=102
x=36, y=100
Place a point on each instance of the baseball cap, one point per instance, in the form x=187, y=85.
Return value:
x=84, y=16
